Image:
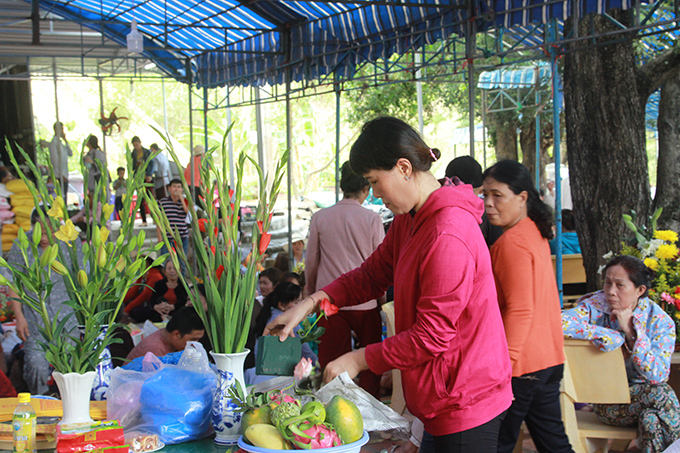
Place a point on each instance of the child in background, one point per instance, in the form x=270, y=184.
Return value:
x=120, y=190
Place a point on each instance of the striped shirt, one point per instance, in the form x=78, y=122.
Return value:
x=176, y=216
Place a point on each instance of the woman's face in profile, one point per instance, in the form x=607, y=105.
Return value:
x=390, y=186
x=503, y=207
x=266, y=286
x=619, y=290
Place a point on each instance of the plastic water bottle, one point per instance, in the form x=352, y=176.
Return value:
x=23, y=425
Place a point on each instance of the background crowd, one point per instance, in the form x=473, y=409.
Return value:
x=467, y=262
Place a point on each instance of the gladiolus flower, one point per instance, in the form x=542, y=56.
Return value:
x=328, y=308
x=212, y=249
x=260, y=225
x=264, y=242
x=67, y=232
x=202, y=225
x=220, y=271
x=667, y=298
x=231, y=193
x=57, y=209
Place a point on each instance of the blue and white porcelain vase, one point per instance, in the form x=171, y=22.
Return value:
x=225, y=420
x=102, y=379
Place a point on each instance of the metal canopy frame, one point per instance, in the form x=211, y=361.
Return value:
x=511, y=42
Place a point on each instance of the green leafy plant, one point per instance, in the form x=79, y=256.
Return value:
x=96, y=281
x=229, y=293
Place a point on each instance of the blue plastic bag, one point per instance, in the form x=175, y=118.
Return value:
x=171, y=401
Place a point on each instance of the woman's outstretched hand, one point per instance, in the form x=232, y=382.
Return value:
x=283, y=326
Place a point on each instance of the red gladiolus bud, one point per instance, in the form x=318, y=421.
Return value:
x=264, y=242
x=201, y=225
x=220, y=271
x=260, y=225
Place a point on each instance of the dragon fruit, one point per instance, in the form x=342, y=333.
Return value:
x=312, y=436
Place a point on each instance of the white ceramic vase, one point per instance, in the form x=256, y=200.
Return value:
x=75, y=391
x=226, y=421
x=102, y=379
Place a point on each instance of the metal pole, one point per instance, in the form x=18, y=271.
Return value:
x=258, y=128
x=35, y=21
x=230, y=145
x=470, y=38
x=165, y=109
x=191, y=132
x=558, y=159
x=56, y=98
x=419, y=92
x=289, y=147
x=101, y=110
x=337, y=139
x=538, y=129
x=205, y=119
x=484, y=124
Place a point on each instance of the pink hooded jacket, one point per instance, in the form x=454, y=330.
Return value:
x=450, y=343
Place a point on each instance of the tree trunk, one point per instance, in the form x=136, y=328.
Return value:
x=604, y=113
x=668, y=166
x=506, y=136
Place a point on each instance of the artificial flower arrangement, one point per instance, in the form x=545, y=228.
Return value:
x=96, y=272
x=229, y=293
x=659, y=251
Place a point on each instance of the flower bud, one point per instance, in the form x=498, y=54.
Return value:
x=59, y=268
x=82, y=278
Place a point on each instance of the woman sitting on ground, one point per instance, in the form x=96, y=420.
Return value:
x=142, y=291
x=622, y=315
x=169, y=295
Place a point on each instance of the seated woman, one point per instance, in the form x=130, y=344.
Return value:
x=169, y=295
x=570, y=244
x=142, y=291
x=622, y=315
x=283, y=298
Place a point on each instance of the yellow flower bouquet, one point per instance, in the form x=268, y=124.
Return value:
x=96, y=272
x=659, y=251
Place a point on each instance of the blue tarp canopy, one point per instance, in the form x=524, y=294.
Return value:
x=525, y=77
x=255, y=42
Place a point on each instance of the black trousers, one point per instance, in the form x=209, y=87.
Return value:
x=481, y=439
x=536, y=403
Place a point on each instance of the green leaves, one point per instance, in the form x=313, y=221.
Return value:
x=230, y=295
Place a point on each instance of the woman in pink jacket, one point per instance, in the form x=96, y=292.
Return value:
x=449, y=344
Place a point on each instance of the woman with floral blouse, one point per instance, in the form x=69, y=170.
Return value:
x=622, y=315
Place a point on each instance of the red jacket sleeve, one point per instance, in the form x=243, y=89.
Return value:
x=446, y=278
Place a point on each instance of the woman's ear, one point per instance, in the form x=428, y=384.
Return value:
x=281, y=306
x=524, y=196
x=640, y=290
x=404, y=167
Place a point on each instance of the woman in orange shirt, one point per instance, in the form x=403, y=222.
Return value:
x=530, y=306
